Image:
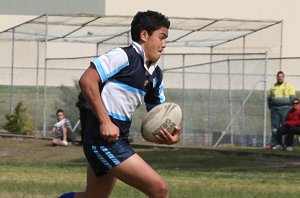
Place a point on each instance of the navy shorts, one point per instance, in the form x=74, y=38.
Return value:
x=105, y=156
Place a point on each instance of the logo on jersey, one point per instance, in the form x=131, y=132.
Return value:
x=146, y=83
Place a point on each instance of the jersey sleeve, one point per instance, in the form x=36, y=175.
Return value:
x=110, y=63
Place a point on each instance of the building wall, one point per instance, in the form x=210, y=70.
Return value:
x=240, y=9
x=287, y=10
x=39, y=7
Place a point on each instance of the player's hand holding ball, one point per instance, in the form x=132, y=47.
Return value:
x=165, y=137
x=162, y=124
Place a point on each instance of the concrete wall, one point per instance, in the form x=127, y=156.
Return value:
x=39, y=7
x=287, y=10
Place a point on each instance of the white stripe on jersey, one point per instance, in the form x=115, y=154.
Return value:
x=121, y=100
x=110, y=63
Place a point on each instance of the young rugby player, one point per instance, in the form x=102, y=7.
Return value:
x=115, y=85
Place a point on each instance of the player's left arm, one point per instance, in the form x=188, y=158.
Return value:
x=155, y=97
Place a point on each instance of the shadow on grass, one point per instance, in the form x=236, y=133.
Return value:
x=195, y=160
x=39, y=152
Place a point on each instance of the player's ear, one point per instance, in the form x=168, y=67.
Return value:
x=144, y=35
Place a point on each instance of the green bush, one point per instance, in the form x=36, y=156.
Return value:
x=20, y=121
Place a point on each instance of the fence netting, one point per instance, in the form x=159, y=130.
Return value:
x=222, y=95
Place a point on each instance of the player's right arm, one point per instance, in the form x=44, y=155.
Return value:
x=89, y=84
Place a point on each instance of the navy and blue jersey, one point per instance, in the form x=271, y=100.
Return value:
x=127, y=82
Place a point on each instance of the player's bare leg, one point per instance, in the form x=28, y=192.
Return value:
x=137, y=173
x=97, y=187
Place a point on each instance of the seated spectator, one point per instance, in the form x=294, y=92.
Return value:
x=62, y=130
x=291, y=127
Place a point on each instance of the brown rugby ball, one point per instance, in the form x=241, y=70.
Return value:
x=164, y=116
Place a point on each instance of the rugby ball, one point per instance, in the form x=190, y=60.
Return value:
x=164, y=116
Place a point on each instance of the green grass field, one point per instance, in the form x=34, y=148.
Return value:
x=31, y=168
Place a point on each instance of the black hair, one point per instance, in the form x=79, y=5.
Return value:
x=149, y=21
x=295, y=99
x=59, y=111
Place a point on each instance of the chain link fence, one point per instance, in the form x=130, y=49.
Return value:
x=222, y=95
x=215, y=69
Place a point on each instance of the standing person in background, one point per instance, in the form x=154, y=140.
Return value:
x=62, y=129
x=280, y=98
x=114, y=86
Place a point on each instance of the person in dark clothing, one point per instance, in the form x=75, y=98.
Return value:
x=84, y=112
x=291, y=127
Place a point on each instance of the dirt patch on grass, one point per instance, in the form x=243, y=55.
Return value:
x=36, y=151
x=20, y=150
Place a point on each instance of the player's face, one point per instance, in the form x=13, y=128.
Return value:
x=155, y=44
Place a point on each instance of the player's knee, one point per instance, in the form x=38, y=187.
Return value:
x=160, y=190
x=163, y=189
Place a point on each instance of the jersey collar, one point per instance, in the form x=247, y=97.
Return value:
x=139, y=49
